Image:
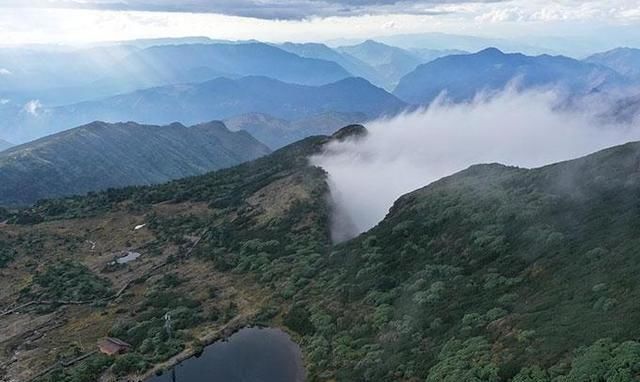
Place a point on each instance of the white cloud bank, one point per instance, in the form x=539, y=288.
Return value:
x=612, y=21
x=412, y=150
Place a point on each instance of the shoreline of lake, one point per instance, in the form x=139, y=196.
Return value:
x=250, y=354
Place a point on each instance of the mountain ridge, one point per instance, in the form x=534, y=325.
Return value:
x=625, y=61
x=218, y=99
x=461, y=77
x=276, y=132
x=99, y=155
x=391, y=62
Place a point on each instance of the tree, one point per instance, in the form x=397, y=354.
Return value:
x=468, y=361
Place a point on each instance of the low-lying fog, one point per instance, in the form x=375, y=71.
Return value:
x=407, y=152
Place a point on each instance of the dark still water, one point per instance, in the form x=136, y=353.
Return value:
x=250, y=355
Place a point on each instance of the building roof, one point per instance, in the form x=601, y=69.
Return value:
x=112, y=346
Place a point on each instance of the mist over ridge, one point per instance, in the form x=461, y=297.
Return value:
x=529, y=128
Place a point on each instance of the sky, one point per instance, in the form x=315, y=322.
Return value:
x=81, y=21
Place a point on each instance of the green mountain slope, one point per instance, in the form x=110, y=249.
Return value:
x=493, y=274
x=101, y=155
x=520, y=267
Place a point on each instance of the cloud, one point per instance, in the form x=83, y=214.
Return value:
x=487, y=10
x=410, y=151
x=33, y=107
x=585, y=29
x=559, y=11
x=5, y=72
x=267, y=9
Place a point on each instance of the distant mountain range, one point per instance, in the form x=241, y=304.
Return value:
x=277, y=132
x=446, y=41
x=64, y=75
x=352, y=64
x=461, y=77
x=4, y=145
x=381, y=64
x=625, y=61
x=170, y=64
x=101, y=155
x=577, y=46
x=390, y=63
x=428, y=55
x=196, y=79
x=216, y=99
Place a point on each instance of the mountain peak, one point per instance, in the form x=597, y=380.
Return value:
x=351, y=131
x=214, y=125
x=176, y=125
x=372, y=42
x=351, y=81
x=491, y=51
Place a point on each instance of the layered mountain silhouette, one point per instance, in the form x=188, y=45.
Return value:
x=380, y=64
x=461, y=77
x=352, y=64
x=390, y=63
x=625, y=61
x=67, y=75
x=217, y=99
x=101, y=155
x=169, y=64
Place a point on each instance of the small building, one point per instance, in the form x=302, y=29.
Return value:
x=113, y=346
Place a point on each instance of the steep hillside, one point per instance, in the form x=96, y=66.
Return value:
x=493, y=274
x=461, y=77
x=63, y=75
x=625, y=61
x=496, y=269
x=276, y=133
x=101, y=155
x=216, y=99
